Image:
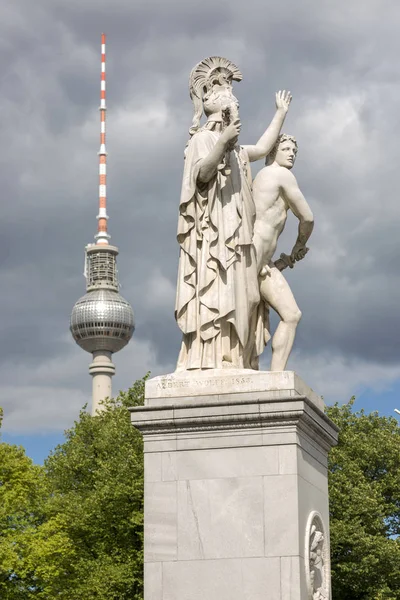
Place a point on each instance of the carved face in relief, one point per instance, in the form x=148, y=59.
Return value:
x=286, y=154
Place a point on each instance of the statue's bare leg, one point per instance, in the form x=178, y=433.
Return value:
x=260, y=244
x=275, y=290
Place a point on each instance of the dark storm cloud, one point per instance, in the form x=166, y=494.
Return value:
x=342, y=70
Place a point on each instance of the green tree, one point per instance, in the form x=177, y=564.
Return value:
x=22, y=496
x=364, y=494
x=95, y=505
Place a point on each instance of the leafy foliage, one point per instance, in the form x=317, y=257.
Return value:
x=364, y=494
x=73, y=529
x=96, y=488
x=22, y=493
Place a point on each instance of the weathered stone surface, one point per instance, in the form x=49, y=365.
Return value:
x=225, y=579
x=220, y=518
x=188, y=386
x=230, y=484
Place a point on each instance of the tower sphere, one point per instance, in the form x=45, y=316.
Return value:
x=102, y=320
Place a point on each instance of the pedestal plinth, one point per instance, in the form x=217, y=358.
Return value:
x=236, y=488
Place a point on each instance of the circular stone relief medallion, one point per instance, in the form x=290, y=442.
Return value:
x=317, y=559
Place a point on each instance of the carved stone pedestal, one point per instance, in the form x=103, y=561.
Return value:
x=236, y=490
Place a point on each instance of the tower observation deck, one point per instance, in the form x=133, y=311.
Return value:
x=102, y=320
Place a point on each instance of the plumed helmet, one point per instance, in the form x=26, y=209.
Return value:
x=211, y=71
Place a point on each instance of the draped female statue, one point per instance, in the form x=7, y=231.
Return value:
x=218, y=304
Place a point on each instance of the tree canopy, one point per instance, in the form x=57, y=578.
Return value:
x=22, y=494
x=73, y=529
x=364, y=496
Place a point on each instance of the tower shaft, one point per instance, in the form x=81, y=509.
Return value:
x=101, y=369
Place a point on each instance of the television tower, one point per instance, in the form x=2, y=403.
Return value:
x=102, y=320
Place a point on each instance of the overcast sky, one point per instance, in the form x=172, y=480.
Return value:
x=339, y=59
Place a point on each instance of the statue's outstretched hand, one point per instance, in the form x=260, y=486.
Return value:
x=283, y=100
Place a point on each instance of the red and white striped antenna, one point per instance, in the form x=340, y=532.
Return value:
x=102, y=236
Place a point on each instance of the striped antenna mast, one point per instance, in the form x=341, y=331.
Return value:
x=102, y=236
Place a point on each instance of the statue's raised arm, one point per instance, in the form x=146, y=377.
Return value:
x=268, y=139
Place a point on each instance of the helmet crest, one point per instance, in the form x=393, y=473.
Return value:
x=211, y=71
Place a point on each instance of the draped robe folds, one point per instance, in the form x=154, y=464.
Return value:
x=218, y=304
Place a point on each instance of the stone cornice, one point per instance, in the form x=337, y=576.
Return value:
x=297, y=411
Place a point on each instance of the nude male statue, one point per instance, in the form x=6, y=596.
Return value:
x=275, y=192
